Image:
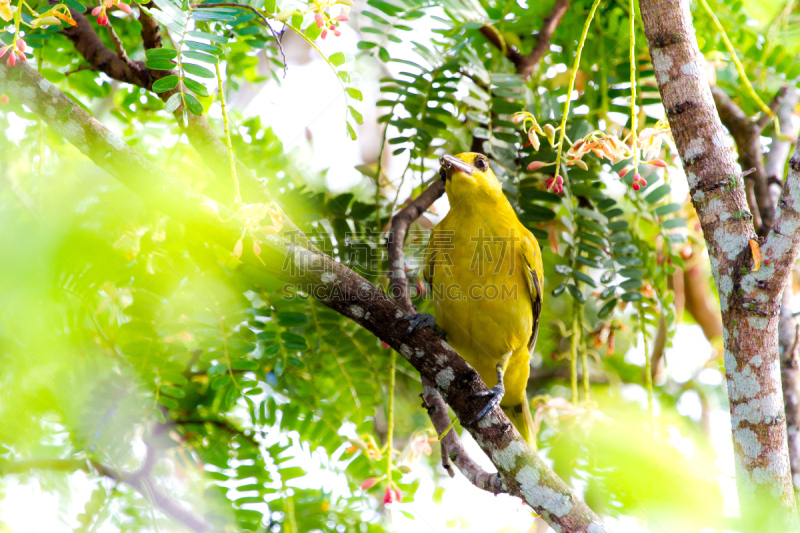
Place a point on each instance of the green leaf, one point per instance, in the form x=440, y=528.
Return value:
x=203, y=47
x=666, y=209
x=607, y=309
x=673, y=223
x=212, y=15
x=196, y=87
x=355, y=94
x=175, y=392
x=168, y=402
x=631, y=284
x=564, y=270
x=193, y=104
x=197, y=70
x=584, y=278
x=631, y=273
x=576, y=293
x=75, y=6
x=165, y=84
x=159, y=63
x=208, y=36
x=631, y=297
x=351, y=132
x=658, y=194
x=558, y=290
x=173, y=103
x=618, y=225
x=166, y=53
x=337, y=59
x=201, y=56
x=356, y=115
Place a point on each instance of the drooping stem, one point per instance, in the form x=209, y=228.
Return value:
x=738, y=64
x=648, y=371
x=571, y=85
x=634, y=117
x=573, y=355
x=390, y=428
x=228, y=143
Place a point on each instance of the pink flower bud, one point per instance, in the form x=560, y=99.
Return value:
x=623, y=172
x=549, y=184
x=398, y=495
x=124, y=7
x=4, y=51
x=636, y=177
x=658, y=163
x=385, y=346
x=21, y=56
x=388, y=496
x=96, y=11
x=12, y=60
x=320, y=20
x=643, y=182
x=324, y=33
x=342, y=18
x=21, y=45
x=102, y=19
x=369, y=483
x=536, y=165
x=559, y=180
x=336, y=33
x=333, y=26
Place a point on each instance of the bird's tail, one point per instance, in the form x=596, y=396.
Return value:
x=520, y=416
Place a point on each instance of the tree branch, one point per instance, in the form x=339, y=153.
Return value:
x=523, y=472
x=747, y=136
x=151, y=31
x=524, y=64
x=144, y=485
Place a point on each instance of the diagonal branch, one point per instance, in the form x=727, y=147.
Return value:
x=141, y=483
x=525, y=64
x=747, y=136
x=523, y=472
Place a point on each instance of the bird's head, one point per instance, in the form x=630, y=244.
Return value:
x=468, y=175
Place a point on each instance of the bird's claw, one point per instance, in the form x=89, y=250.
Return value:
x=496, y=394
x=418, y=321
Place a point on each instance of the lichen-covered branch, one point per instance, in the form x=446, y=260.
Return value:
x=524, y=64
x=523, y=472
x=747, y=136
x=749, y=300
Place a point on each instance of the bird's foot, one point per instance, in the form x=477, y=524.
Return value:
x=496, y=396
x=418, y=321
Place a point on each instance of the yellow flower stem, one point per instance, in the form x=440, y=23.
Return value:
x=17, y=20
x=231, y=157
x=571, y=87
x=648, y=372
x=390, y=428
x=739, y=68
x=573, y=357
x=446, y=431
x=634, y=117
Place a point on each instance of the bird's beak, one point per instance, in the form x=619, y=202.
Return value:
x=450, y=164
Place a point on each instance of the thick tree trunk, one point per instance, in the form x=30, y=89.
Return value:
x=749, y=301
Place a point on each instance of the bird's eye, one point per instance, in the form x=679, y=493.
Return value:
x=481, y=164
x=443, y=174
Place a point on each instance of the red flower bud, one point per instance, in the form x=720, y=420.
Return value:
x=643, y=182
x=636, y=177
x=559, y=180
x=324, y=33
x=536, y=165
x=336, y=33
x=388, y=496
x=636, y=186
x=657, y=163
x=385, y=346
x=12, y=60
x=369, y=483
x=21, y=45
x=320, y=20
x=22, y=56
x=623, y=172
x=124, y=7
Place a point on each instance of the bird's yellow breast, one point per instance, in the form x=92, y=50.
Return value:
x=480, y=292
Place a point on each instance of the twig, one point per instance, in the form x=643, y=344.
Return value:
x=118, y=46
x=264, y=20
x=78, y=69
x=525, y=64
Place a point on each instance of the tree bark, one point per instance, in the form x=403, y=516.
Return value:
x=523, y=472
x=749, y=300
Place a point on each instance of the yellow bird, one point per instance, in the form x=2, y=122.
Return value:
x=485, y=275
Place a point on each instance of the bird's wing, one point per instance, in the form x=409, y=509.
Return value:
x=532, y=259
x=427, y=269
